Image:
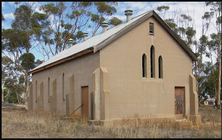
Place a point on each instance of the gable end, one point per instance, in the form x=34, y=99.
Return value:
x=175, y=36
x=138, y=22
x=122, y=32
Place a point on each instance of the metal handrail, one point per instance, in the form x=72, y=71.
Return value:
x=75, y=110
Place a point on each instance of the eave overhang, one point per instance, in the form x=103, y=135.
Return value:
x=84, y=52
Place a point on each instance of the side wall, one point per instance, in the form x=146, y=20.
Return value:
x=129, y=92
x=77, y=72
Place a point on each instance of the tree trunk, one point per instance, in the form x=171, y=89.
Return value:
x=27, y=91
x=17, y=97
x=219, y=75
x=7, y=95
x=197, y=87
x=3, y=92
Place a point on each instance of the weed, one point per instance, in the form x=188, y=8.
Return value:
x=22, y=124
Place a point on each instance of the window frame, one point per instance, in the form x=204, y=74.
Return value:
x=144, y=66
x=152, y=62
x=49, y=89
x=160, y=65
x=36, y=91
x=63, y=86
x=151, y=28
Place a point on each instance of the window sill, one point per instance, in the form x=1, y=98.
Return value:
x=152, y=79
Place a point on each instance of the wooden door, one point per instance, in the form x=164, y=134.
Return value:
x=85, y=103
x=179, y=100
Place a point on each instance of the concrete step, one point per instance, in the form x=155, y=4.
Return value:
x=182, y=123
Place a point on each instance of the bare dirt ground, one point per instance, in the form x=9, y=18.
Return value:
x=18, y=123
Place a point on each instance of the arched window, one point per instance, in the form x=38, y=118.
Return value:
x=36, y=94
x=63, y=86
x=48, y=89
x=152, y=62
x=144, y=66
x=160, y=63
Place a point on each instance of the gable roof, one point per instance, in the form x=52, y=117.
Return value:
x=101, y=40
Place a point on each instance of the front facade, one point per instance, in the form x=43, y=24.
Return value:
x=141, y=68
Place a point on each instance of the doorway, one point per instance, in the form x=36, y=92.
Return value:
x=179, y=100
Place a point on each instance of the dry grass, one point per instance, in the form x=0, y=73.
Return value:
x=21, y=124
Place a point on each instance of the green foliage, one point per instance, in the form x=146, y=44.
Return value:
x=12, y=98
x=95, y=18
x=13, y=39
x=209, y=81
x=105, y=8
x=207, y=15
x=115, y=21
x=21, y=79
x=69, y=24
x=14, y=89
x=9, y=83
x=161, y=8
x=3, y=18
x=27, y=61
x=185, y=17
x=49, y=8
x=190, y=33
x=22, y=18
x=38, y=62
x=172, y=25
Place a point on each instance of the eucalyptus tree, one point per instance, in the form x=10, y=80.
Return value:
x=13, y=83
x=19, y=39
x=213, y=47
x=216, y=40
x=104, y=10
x=65, y=24
x=163, y=8
x=7, y=71
x=184, y=30
x=14, y=88
x=114, y=21
x=209, y=80
x=200, y=73
x=170, y=21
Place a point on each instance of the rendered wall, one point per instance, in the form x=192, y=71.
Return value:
x=53, y=97
x=78, y=73
x=130, y=93
x=194, y=116
x=70, y=96
x=118, y=67
x=100, y=95
x=30, y=98
x=40, y=97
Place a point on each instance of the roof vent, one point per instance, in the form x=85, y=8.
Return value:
x=85, y=35
x=104, y=25
x=70, y=42
x=128, y=14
